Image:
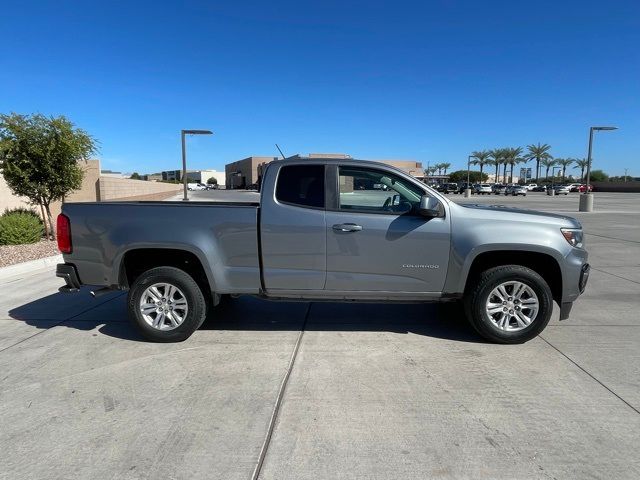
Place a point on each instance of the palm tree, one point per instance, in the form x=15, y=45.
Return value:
x=481, y=158
x=581, y=164
x=565, y=162
x=538, y=153
x=438, y=167
x=512, y=156
x=548, y=163
x=496, y=160
x=445, y=166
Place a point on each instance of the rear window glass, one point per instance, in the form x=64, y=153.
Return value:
x=301, y=185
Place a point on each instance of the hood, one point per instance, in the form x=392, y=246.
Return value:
x=540, y=216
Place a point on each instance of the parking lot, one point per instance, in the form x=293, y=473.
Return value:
x=375, y=391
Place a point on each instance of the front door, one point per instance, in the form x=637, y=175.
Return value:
x=376, y=240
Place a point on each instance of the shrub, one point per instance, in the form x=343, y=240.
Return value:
x=25, y=210
x=19, y=227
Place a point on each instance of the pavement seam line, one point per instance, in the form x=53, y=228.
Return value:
x=614, y=275
x=276, y=408
x=612, y=238
x=590, y=375
x=58, y=324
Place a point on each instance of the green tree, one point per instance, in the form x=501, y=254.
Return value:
x=212, y=181
x=598, y=176
x=581, y=163
x=135, y=176
x=445, y=167
x=474, y=176
x=39, y=158
x=538, y=153
x=481, y=159
x=547, y=163
x=564, y=162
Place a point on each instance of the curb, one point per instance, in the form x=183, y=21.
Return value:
x=30, y=266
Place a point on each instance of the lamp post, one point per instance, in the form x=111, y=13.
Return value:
x=467, y=191
x=553, y=175
x=586, y=199
x=183, y=133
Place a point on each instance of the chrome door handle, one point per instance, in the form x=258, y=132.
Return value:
x=347, y=227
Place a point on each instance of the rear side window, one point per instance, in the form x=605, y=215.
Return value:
x=301, y=185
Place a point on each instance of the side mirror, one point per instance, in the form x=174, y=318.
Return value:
x=429, y=207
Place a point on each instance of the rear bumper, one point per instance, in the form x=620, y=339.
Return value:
x=68, y=272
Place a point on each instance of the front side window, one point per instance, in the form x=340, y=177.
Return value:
x=301, y=185
x=376, y=191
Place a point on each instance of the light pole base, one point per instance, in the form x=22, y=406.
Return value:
x=467, y=193
x=586, y=202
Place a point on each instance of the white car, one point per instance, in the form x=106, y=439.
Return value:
x=483, y=188
x=530, y=186
x=574, y=187
x=195, y=186
x=562, y=189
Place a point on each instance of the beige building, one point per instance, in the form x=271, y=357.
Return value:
x=245, y=172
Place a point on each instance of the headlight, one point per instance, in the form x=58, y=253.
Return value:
x=573, y=236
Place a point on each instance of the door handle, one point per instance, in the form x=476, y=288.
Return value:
x=347, y=227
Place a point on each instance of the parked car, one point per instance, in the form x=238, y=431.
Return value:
x=498, y=188
x=540, y=188
x=574, y=187
x=308, y=237
x=483, y=189
x=463, y=186
x=516, y=190
x=561, y=189
x=448, y=188
x=583, y=188
x=196, y=186
x=530, y=186
x=211, y=186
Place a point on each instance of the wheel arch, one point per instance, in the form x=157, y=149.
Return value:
x=134, y=261
x=543, y=263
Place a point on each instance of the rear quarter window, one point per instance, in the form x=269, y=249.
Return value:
x=301, y=185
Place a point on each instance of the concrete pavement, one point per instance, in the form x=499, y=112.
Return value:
x=376, y=391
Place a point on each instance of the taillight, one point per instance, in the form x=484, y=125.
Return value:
x=64, y=233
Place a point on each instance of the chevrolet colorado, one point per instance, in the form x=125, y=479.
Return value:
x=323, y=229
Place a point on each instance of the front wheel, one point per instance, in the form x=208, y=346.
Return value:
x=509, y=304
x=166, y=304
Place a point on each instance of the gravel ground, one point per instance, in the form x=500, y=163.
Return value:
x=12, y=254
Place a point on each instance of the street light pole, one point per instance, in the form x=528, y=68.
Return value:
x=553, y=175
x=586, y=200
x=183, y=133
x=467, y=191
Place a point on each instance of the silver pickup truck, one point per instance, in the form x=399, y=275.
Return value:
x=327, y=230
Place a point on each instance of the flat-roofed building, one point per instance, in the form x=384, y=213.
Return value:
x=246, y=172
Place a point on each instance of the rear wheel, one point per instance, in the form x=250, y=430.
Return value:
x=509, y=304
x=166, y=304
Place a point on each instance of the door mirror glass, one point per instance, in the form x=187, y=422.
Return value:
x=429, y=206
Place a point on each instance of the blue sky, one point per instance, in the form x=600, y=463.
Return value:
x=429, y=81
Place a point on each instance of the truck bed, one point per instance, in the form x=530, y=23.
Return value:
x=223, y=235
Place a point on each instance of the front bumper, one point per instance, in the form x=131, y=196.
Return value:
x=584, y=277
x=575, y=278
x=69, y=273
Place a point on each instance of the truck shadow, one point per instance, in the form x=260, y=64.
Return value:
x=109, y=316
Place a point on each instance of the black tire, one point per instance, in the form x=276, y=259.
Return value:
x=476, y=298
x=196, y=302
